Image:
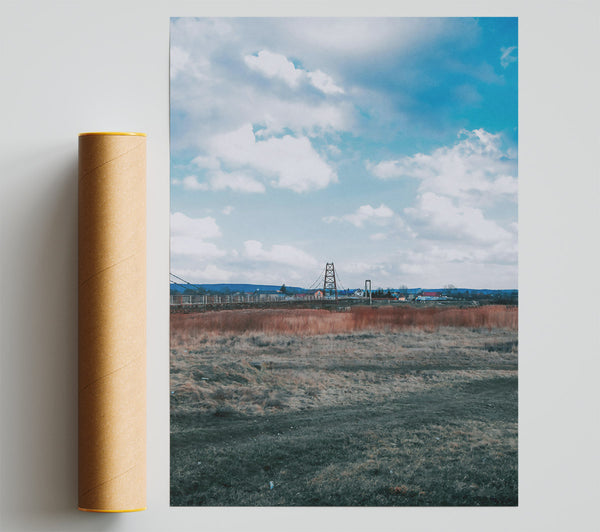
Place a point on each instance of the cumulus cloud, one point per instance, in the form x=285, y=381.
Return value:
x=365, y=214
x=182, y=225
x=475, y=165
x=194, y=247
x=457, y=263
x=324, y=82
x=204, y=161
x=279, y=253
x=432, y=265
x=448, y=217
x=189, y=236
x=236, y=181
x=287, y=162
x=274, y=65
x=227, y=210
x=220, y=180
x=437, y=217
x=204, y=88
x=191, y=182
x=329, y=48
x=508, y=55
x=274, y=113
x=300, y=117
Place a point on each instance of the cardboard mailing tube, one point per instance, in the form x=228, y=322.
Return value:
x=112, y=322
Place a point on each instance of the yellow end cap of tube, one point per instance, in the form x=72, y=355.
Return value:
x=118, y=133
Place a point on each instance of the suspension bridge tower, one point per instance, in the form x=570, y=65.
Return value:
x=329, y=281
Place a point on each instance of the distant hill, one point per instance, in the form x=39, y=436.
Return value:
x=232, y=288
x=227, y=288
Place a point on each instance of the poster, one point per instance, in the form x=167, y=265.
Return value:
x=344, y=301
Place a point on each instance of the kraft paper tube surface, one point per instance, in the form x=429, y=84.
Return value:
x=112, y=322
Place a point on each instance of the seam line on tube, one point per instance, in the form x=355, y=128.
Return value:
x=82, y=177
x=109, y=373
x=107, y=481
x=95, y=274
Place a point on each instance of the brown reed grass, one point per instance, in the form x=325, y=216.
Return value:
x=309, y=322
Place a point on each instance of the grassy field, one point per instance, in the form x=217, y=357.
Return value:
x=303, y=407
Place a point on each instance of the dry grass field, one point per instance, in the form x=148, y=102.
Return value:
x=389, y=406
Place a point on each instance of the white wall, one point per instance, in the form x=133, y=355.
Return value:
x=69, y=67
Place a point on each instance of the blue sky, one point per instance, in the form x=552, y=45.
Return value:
x=385, y=145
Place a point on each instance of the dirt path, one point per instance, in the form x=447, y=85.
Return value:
x=453, y=445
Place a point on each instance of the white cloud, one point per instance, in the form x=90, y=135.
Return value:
x=324, y=82
x=385, y=169
x=288, y=161
x=447, y=225
x=235, y=181
x=189, y=235
x=205, y=161
x=194, y=247
x=275, y=66
x=456, y=263
x=191, y=182
x=343, y=38
x=206, y=89
x=364, y=214
x=433, y=265
x=278, y=66
x=284, y=162
x=354, y=36
x=456, y=184
x=262, y=108
x=437, y=217
x=279, y=253
x=476, y=165
x=507, y=57
x=217, y=48
x=311, y=119
x=182, y=225
x=190, y=36
x=227, y=210
x=220, y=180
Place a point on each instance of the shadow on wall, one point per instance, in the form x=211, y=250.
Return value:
x=38, y=375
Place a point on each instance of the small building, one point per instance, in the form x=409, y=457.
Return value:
x=431, y=293
x=299, y=296
x=318, y=294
